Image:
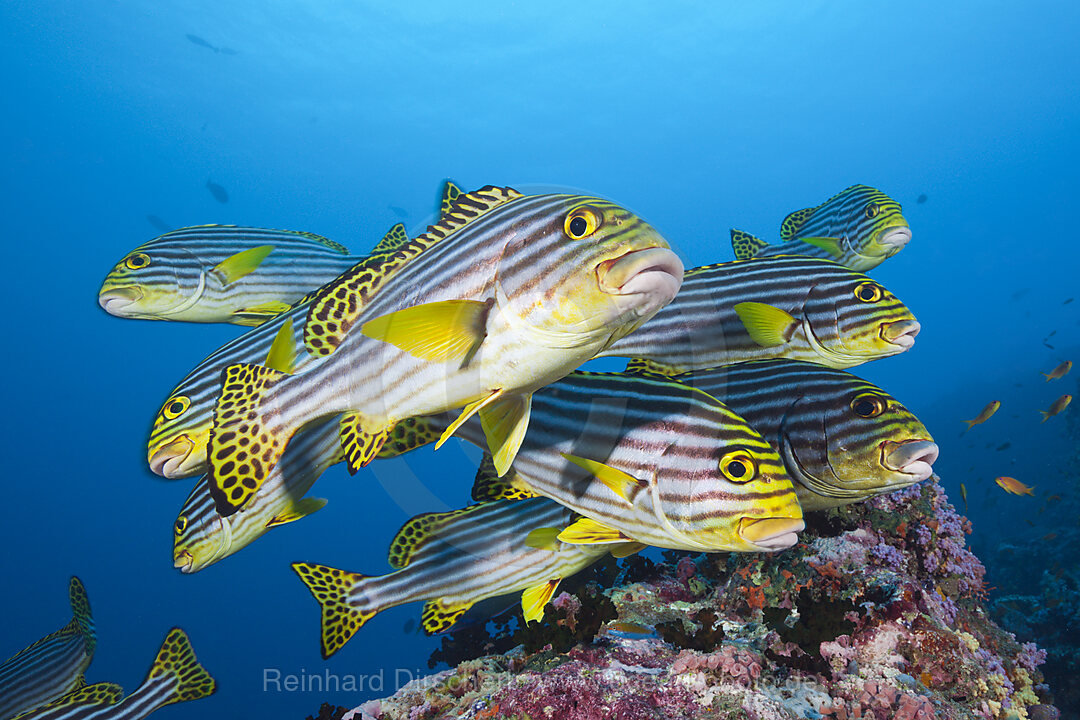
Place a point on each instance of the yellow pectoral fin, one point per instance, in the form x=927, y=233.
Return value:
x=828, y=244
x=535, y=598
x=466, y=413
x=282, y=352
x=621, y=483
x=768, y=326
x=439, y=331
x=300, y=510
x=587, y=531
x=237, y=266
x=505, y=423
x=627, y=549
x=545, y=538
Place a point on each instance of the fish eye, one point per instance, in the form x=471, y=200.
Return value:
x=738, y=466
x=868, y=292
x=582, y=222
x=180, y=525
x=868, y=405
x=137, y=261
x=176, y=407
x=872, y=209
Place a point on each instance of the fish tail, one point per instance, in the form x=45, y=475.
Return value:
x=176, y=661
x=80, y=610
x=341, y=618
x=244, y=446
x=970, y=424
x=1046, y=415
x=1047, y=376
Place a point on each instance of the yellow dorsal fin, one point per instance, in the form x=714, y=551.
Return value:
x=586, y=531
x=439, y=615
x=332, y=589
x=545, y=538
x=467, y=412
x=449, y=195
x=299, y=510
x=176, y=659
x=641, y=366
x=745, y=245
x=394, y=238
x=417, y=531
x=337, y=305
x=237, y=266
x=360, y=446
x=627, y=549
x=324, y=241
x=828, y=244
x=767, y=325
x=282, y=352
x=789, y=228
x=409, y=434
x=535, y=598
x=621, y=483
x=505, y=423
x=450, y=330
x=488, y=486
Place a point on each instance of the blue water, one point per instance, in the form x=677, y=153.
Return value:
x=698, y=116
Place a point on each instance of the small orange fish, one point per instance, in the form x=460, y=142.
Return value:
x=1049, y=536
x=1060, y=404
x=1059, y=372
x=984, y=415
x=1014, y=486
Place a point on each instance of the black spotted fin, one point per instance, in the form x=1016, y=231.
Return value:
x=767, y=325
x=320, y=240
x=359, y=445
x=297, y=511
x=254, y=315
x=97, y=695
x=331, y=589
x=791, y=224
x=438, y=615
x=417, y=531
x=338, y=304
x=621, y=483
x=627, y=549
x=641, y=366
x=445, y=331
x=394, y=238
x=534, y=599
x=176, y=660
x=833, y=246
x=545, y=538
x=489, y=486
x=746, y=245
x=81, y=615
x=448, y=197
x=586, y=531
x=242, y=263
x=409, y=434
x=282, y=353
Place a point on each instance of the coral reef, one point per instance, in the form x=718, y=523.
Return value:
x=878, y=613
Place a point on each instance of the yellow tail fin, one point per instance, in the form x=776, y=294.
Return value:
x=177, y=660
x=331, y=588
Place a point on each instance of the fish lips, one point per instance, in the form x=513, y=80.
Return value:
x=895, y=238
x=654, y=274
x=114, y=300
x=184, y=562
x=771, y=534
x=170, y=460
x=914, y=458
x=901, y=333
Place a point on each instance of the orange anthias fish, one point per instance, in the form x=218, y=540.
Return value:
x=1059, y=372
x=1014, y=486
x=984, y=415
x=1060, y=404
x=963, y=494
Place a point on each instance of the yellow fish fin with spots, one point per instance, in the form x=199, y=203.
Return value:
x=488, y=486
x=641, y=366
x=439, y=331
x=331, y=588
x=767, y=325
x=448, y=196
x=545, y=538
x=282, y=352
x=360, y=446
x=242, y=450
x=100, y=694
x=467, y=412
x=81, y=615
x=242, y=263
x=627, y=549
x=255, y=315
x=828, y=244
x=417, y=531
x=324, y=241
x=409, y=434
x=438, y=615
x=746, y=245
x=337, y=305
x=394, y=238
x=176, y=659
x=621, y=483
x=534, y=599
x=505, y=423
x=298, y=511
x=791, y=224
x=586, y=531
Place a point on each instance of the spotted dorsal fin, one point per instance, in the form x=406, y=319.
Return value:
x=650, y=368
x=745, y=245
x=418, y=531
x=394, y=238
x=488, y=486
x=338, y=304
x=790, y=227
x=80, y=610
x=449, y=195
x=325, y=242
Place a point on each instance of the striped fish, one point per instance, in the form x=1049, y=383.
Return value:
x=842, y=439
x=221, y=274
x=783, y=307
x=54, y=665
x=453, y=560
x=859, y=227
x=175, y=676
x=522, y=290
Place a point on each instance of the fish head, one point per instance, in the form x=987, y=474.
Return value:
x=869, y=224
x=178, y=438
x=850, y=319
x=585, y=273
x=201, y=537
x=153, y=282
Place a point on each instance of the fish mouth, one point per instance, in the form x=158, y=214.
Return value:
x=771, y=534
x=914, y=458
x=114, y=300
x=654, y=273
x=901, y=333
x=894, y=239
x=170, y=460
x=184, y=561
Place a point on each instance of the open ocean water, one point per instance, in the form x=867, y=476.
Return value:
x=342, y=118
